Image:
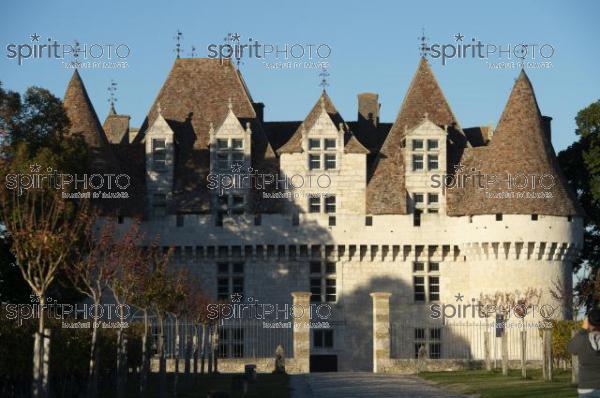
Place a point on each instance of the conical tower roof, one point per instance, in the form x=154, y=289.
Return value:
x=81, y=113
x=521, y=152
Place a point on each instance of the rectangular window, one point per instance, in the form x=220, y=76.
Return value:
x=499, y=217
x=314, y=144
x=534, y=217
x=418, y=267
x=315, y=290
x=434, y=288
x=330, y=204
x=314, y=162
x=222, y=144
x=237, y=157
x=330, y=268
x=433, y=199
x=418, y=199
x=330, y=290
x=159, y=153
x=432, y=145
x=230, y=279
x=222, y=161
x=323, y=284
x=432, y=162
x=314, y=204
x=434, y=267
x=315, y=267
x=237, y=204
x=237, y=144
x=419, y=288
x=369, y=221
x=417, y=162
x=332, y=221
x=417, y=218
x=159, y=205
x=417, y=145
x=330, y=161
x=330, y=144
x=323, y=338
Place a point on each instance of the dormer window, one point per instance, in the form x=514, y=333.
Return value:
x=417, y=162
x=314, y=162
x=159, y=153
x=330, y=161
x=322, y=153
x=229, y=152
x=417, y=145
x=432, y=162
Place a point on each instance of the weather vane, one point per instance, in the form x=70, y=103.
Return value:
x=193, y=53
x=423, y=47
x=76, y=50
x=324, y=75
x=112, y=90
x=232, y=39
x=178, y=38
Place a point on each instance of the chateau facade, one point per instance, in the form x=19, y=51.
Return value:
x=420, y=208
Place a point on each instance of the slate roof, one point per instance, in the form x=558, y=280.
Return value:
x=519, y=146
x=197, y=93
x=386, y=192
x=116, y=127
x=294, y=143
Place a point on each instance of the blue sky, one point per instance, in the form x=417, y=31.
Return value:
x=374, y=48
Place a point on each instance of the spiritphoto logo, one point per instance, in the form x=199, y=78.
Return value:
x=250, y=178
x=496, y=55
x=83, y=55
x=73, y=186
x=497, y=185
x=72, y=315
x=272, y=55
x=477, y=309
x=250, y=308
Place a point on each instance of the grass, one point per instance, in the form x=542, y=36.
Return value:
x=494, y=385
x=198, y=386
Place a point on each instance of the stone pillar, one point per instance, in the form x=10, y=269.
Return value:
x=301, y=331
x=381, y=330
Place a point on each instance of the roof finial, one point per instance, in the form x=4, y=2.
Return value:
x=324, y=75
x=178, y=38
x=230, y=104
x=112, y=89
x=423, y=47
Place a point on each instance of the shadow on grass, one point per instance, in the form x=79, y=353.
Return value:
x=198, y=386
x=494, y=385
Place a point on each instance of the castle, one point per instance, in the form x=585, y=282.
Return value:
x=421, y=208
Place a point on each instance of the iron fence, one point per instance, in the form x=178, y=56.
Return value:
x=464, y=340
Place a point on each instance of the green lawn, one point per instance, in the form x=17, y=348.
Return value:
x=198, y=386
x=494, y=385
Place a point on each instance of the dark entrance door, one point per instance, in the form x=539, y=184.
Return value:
x=323, y=363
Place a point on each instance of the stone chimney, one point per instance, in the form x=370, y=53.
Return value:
x=259, y=108
x=368, y=109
